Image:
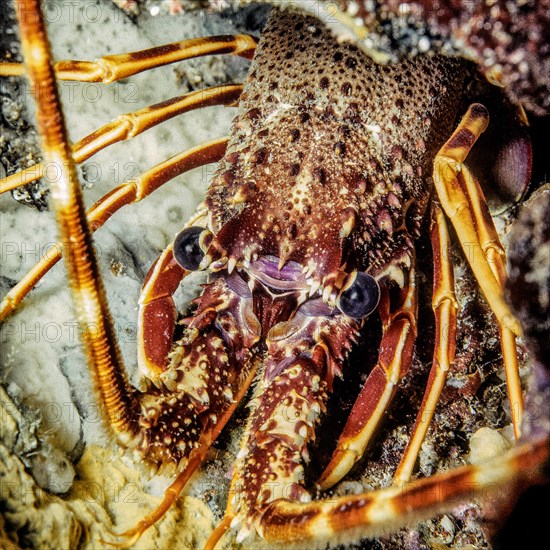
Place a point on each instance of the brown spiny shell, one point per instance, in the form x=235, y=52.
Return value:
x=329, y=143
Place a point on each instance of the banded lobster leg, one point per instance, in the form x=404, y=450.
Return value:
x=376, y=513
x=111, y=68
x=399, y=334
x=128, y=126
x=209, y=392
x=126, y=193
x=464, y=203
x=445, y=306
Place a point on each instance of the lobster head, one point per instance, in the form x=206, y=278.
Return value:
x=273, y=307
x=258, y=315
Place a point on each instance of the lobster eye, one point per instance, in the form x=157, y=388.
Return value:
x=187, y=249
x=361, y=298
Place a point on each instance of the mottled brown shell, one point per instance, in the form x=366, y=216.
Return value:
x=331, y=155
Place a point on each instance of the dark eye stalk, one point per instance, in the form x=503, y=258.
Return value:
x=361, y=297
x=189, y=247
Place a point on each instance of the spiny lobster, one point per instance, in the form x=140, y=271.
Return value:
x=308, y=227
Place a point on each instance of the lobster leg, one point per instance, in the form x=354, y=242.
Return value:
x=157, y=314
x=445, y=307
x=157, y=311
x=394, y=361
x=129, y=125
x=98, y=335
x=375, y=513
x=170, y=496
x=111, y=68
x=194, y=396
x=464, y=203
x=103, y=209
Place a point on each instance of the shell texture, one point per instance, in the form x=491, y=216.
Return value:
x=508, y=40
x=328, y=152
